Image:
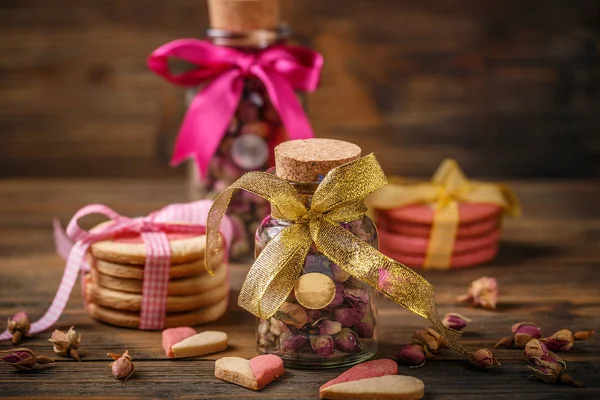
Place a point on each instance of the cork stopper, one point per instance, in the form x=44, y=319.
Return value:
x=308, y=160
x=243, y=15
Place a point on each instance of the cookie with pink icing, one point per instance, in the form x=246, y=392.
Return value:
x=253, y=374
x=464, y=230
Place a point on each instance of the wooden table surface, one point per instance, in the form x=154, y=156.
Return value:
x=548, y=272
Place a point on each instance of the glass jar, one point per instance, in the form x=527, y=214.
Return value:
x=248, y=144
x=338, y=334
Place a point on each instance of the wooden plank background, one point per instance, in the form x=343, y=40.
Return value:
x=509, y=88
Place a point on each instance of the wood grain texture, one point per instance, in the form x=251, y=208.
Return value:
x=547, y=272
x=509, y=88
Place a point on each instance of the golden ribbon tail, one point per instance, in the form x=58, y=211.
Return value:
x=337, y=199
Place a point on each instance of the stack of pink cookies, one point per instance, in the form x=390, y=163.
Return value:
x=404, y=234
x=113, y=288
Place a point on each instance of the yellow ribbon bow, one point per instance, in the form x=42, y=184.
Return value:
x=338, y=198
x=448, y=187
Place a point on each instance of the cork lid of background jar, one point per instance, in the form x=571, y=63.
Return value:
x=243, y=15
x=309, y=160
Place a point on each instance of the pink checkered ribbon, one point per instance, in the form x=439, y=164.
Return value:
x=74, y=243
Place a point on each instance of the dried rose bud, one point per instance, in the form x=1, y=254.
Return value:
x=322, y=345
x=560, y=341
x=277, y=327
x=313, y=315
x=290, y=342
x=584, y=335
x=327, y=327
x=349, y=316
x=292, y=314
x=455, y=321
x=23, y=359
x=430, y=339
x=412, y=354
x=483, y=359
x=19, y=326
x=364, y=330
x=338, y=274
x=66, y=343
x=482, y=292
x=550, y=370
x=523, y=332
x=536, y=349
x=347, y=341
x=122, y=367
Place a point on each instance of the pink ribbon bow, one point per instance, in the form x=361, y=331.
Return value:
x=282, y=69
x=153, y=230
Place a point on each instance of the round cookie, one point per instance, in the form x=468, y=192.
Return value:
x=418, y=245
x=424, y=213
x=463, y=260
x=177, y=287
x=132, y=320
x=137, y=271
x=130, y=249
x=474, y=229
x=133, y=302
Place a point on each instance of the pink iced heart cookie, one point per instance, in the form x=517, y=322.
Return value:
x=253, y=374
x=369, y=369
x=173, y=336
x=397, y=387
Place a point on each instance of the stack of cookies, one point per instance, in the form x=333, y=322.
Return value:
x=113, y=287
x=404, y=234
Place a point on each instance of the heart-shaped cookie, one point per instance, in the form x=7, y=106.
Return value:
x=200, y=344
x=253, y=374
x=172, y=336
x=369, y=369
x=397, y=387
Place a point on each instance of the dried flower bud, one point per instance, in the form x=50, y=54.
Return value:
x=291, y=342
x=66, y=343
x=346, y=341
x=364, y=330
x=560, y=341
x=338, y=299
x=523, y=332
x=356, y=295
x=430, y=339
x=277, y=327
x=322, y=345
x=482, y=292
x=292, y=314
x=455, y=321
x=412, y=354
x=536, y=349
x=19, y=326
x=328, y=327
x=349, y=316
x=483, y=359
x=122, y=367
x=585, y=335
x=23, y=359
x=550, y=370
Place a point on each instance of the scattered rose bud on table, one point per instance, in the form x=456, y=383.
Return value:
x=66, y=343
x=23, y=359
x=482, y=292
x=551, y=370
x=483, y=359
x=455, y=321
x=536, y=349
x=18, y=325
x=563, y=339
x=413, y=355
x=523, y=332
x=122, y=367
x=430, y=339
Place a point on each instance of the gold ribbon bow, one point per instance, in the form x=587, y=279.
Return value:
x=448, y=187
x=338, y=198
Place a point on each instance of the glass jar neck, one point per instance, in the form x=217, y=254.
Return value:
x=254, y=39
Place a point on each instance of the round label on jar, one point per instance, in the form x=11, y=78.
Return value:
x=314, y=290
x=249, y=151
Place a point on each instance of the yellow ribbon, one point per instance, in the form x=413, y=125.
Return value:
x=448, y=187
x=338, y=198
